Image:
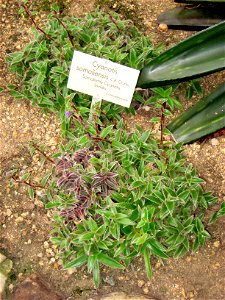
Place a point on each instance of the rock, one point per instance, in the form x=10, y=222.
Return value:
x=109, y=280
x=214, y=142
x=141, y=283
x=5, y=267
x=163, y=27
x=123, y=296
x=8, y=212
x=34, y=289
x=216, y=244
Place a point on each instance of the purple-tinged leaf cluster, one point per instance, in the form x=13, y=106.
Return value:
x=72, y=182
x=106, y=182
x=82, y=157
x=63, y=164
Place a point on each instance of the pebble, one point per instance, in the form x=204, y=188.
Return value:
x=109, y=280
x=145, y=290
x=216, y=244
x=141, y=283
x=216, y=266
x=71, y=271
x=8, y=212
x=163, y=27
x=214, y=142
x=46, y=245
x=188, y=258
x=19, y=219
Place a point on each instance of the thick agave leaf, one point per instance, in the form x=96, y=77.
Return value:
x=200, y=1
x=198, y=55
x=205, y=117
x=194, y=18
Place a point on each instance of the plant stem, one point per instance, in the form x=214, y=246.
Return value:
x=98, y=138
x=63, y=25
x=43, y=153
x=26, y=182
x=114, y=21
x=26, y=9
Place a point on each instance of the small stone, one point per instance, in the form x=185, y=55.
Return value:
x=141, y=283
x=214, y=142
x=109, y=280
x=8, y=212
x=40, y=255
x=46, y=245
x=216, y=244
x=216, y=266
x=53, y=141
x=71, y=271
x=146, y=108
x=52, y=260
x=29, y=242
x=163, y=27
x=145, y=290
x=19, y=219
x=188, y=258
x=25, y=214
x=191, y=295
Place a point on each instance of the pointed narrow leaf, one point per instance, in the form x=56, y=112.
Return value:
x=198, y=55
x=96, y=274
x=146, y=254
x=218, y=214
x=31, y=193
x=207, y=116
x=109, y=261
x=79, y=261
x=106, y=131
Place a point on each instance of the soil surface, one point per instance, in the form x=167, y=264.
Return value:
x=25, y=225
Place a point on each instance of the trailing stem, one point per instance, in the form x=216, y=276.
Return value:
x=63, y=25
x=162, y=121
x=43, y=153
x=26, y=182
x=26, y=9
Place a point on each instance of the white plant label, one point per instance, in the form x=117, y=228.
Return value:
x=102, y=78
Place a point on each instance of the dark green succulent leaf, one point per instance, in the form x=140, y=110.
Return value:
x=205, y=117
x=198, y=55
x=200, y=1
x=194, y=18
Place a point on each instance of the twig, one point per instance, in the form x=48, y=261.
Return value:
x=26, y=182
x=34, y=22
x=114, y=21
x=98, y=138
x=43, y=153
x=63, y=25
